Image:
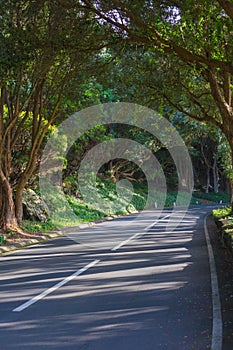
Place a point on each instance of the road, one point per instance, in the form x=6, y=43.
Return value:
x=150, y=292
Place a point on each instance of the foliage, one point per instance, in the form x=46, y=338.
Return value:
x=182, y=53
x=78, y=151
x=2, y=239
x=213, y=197
x=222, y=212
x=83, y=211
x=52, y=60
x=32, y=226
x=44, y=49
x=107, y=190
x=116, y=168
x=224, y=154
x=172, y=199
x=224, y=219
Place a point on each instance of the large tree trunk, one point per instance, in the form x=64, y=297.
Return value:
x=19, y=205
x=207, y=179
x=8, y=219
x=215, y=175
x=21, y=186
x=19, y=197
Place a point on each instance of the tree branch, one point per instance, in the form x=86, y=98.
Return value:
x=205, y=118
x=152, y=37
x=227, y=6
x=222, y=104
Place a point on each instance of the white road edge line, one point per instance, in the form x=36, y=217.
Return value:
x=138, y=234
x=216, y=303
x=55, y=287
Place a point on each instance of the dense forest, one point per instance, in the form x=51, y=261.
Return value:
x=61, y=57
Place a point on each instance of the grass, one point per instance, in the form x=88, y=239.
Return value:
x=213, y=197
x=33, y=227
x=75, y=211
x=182, y=200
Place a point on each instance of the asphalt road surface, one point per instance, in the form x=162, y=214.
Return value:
x=147, y=290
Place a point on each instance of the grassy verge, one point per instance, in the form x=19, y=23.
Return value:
x=81, y=212
x=87, y=213
x=107, y=191
x=213, y=197
x=224, y=220
x=36, y=226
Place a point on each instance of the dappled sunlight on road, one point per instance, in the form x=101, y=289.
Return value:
x=133, y=293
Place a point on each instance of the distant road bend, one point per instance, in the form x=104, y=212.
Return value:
x=154, y=288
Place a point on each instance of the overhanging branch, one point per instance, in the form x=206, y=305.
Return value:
x=205, y=118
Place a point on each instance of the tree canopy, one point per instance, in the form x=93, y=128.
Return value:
x=190, y=49
x=45, y=47
x=161, y=52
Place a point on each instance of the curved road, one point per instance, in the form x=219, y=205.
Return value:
x=149, y=287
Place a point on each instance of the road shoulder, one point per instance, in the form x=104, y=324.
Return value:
x=224, y=263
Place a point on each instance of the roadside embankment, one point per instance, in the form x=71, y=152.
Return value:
x=224, y=221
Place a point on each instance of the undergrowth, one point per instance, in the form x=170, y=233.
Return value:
x=213, y=197
x=83, y=212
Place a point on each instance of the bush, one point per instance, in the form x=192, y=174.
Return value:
x=2, y=239
x=31, y=226
x=222, y=212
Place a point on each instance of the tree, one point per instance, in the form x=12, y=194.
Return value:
x=193, y=40
x=203, y=141
x=45, y=45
